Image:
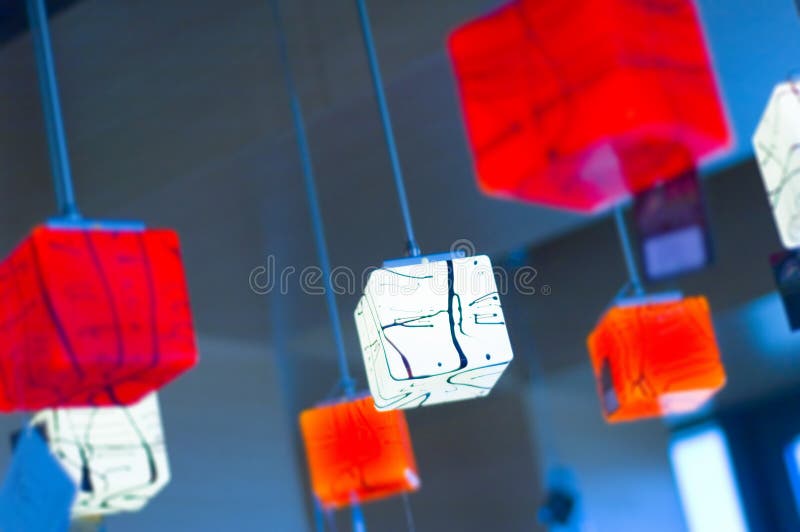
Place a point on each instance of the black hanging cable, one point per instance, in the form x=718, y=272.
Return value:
x=347, y=382
x=627, y=250
x=56, y=138
x=366, y=31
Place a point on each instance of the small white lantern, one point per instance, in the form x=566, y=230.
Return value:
x=432, y=331
x=777, y=147
x=115, y=455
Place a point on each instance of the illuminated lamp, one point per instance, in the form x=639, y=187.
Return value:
x=115, y=455
x=92, y=315
x=777, y=148
x=432, y=330
x=576, y=105
x=655, y=356
x=356, y=453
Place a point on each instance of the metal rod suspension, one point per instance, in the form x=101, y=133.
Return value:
x=366, y=31
x=48, y=86
x=627, y=250
x=347, y=382
x=313, y=202
x=359, y=525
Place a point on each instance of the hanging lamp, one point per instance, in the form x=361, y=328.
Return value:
x=96, y=313
x=653, y=355
x=431, y=327
x=355, y=454
x=115, y=455
x=776, y=142
x=576, y=105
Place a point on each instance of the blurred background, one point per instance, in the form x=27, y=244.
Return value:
x=176, y=114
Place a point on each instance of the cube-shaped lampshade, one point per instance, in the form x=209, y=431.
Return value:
x=576, y=104
x=776, y=143
x=115, y=455
x=356, y=453
x=432, y=332
x=655, y=357
x=92, y=317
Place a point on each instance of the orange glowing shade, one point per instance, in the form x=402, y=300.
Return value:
x=356, y=453
x=654, y=358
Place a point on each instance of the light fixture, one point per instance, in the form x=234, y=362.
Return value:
x=576, y=105
x=356, y=453
x=94, y=315
x=442, y=336
x=115, y=455
x=655, y=356
x=432, y=331
x=777, y=148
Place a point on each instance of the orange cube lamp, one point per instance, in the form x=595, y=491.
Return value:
x=654, y=357
x=356, y=453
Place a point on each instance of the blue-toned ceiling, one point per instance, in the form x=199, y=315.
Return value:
x=755, y=44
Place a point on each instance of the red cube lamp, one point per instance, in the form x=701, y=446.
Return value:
x=576, y=105
x=655, y=357
x=92, y=315
x=356, y=453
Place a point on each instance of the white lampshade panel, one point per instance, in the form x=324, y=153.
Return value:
x=115, y=455
x=432, y=332
x=777, y=147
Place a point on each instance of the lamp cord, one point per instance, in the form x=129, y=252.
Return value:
x=347, y=382
x=627, y=250
x=409, y=514
x=48, y=86
x=366, y=31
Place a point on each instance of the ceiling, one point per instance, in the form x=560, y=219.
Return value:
x=182, y=120
x=178, y=116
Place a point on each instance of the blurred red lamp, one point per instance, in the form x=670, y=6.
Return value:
x=576, y=105
x=655, y=357
x=356, y=453
x=92, y=315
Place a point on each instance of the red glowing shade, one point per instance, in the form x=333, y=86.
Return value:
x=356, y=453
x=92, y=317
x=577, y=104
x=657, y=358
